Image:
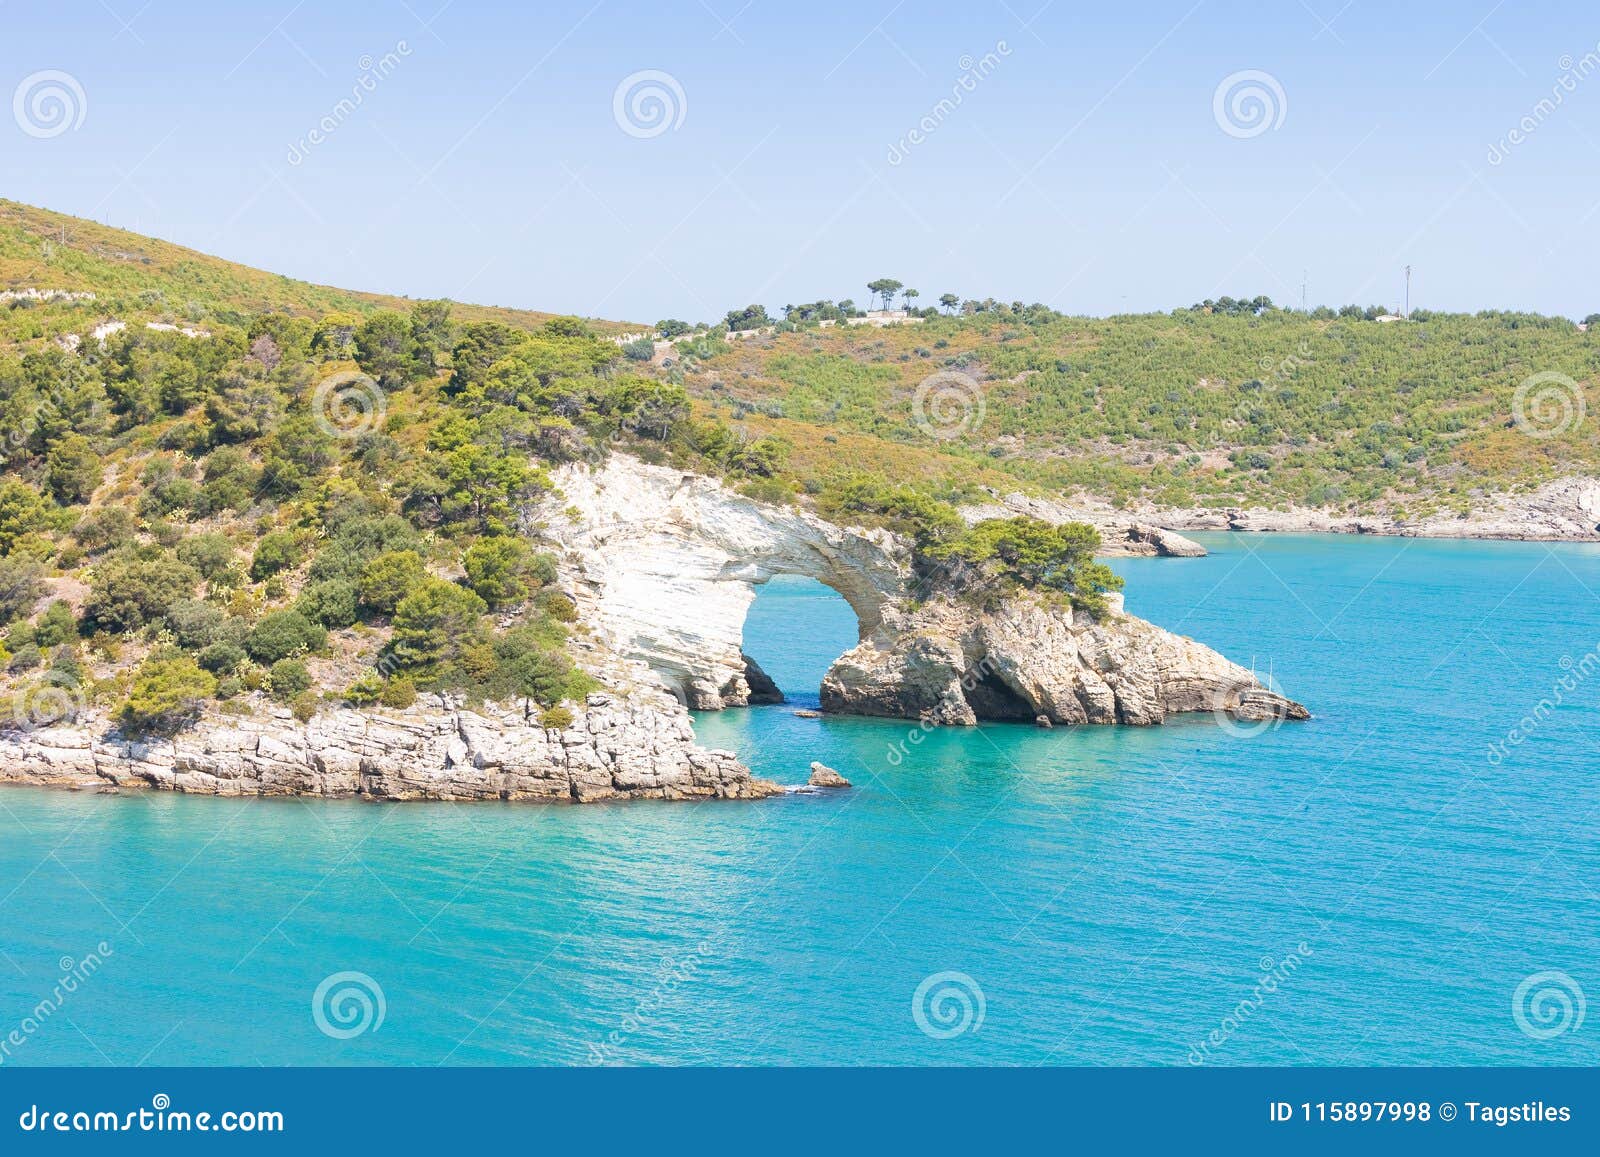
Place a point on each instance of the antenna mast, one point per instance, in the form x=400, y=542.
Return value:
x=1408, y=292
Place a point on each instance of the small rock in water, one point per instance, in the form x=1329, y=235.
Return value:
x=824, y=776
x=1043, y=721
x=805, y=714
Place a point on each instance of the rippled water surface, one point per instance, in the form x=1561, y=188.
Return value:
x=1090, y=895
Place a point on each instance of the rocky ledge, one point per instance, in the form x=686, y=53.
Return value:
x=615, y=748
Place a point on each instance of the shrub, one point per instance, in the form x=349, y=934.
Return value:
x=210, y=554
x=282, y=635
x=555, y=718
x=72, y=469
x=558, y=607
x=21, y=586
x=1013, y=553
x=277, y=551
x=398, y=692
x=229, y=687
x=435, y=622
x=105, y=528
x=331, y=602
x=127, y=593
x=222, y=658
x=305, y=706
x=21, y=513
x=168, y=693
x=57, y=625
x=389, y=578
x=288, y=677
x=500, y=570
x=194, y=623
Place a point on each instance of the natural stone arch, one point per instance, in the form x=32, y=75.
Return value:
x=666, y=564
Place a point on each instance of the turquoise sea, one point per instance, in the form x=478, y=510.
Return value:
x=1377, y=886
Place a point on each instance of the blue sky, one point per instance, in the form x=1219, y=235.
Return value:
x=1087, y=168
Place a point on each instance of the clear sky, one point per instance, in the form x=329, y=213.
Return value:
x=1091, y=166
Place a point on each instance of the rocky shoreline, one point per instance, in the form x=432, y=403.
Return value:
x=1565, y=510
x=615, y=748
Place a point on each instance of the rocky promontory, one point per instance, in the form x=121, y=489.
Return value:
x=664, y=566
x=634, y=747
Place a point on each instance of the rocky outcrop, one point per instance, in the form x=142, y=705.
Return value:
x=664, y=567
x=1031, y=661
x=615, y=748
x=824, y=776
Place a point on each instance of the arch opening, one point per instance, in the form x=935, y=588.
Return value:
x=794, y=630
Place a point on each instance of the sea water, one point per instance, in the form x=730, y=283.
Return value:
x=1411, y=877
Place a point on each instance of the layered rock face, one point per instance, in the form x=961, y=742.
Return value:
x=614, y=749
x=1030, y=661
x=664, y=567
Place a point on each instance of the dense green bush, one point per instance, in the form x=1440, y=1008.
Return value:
x=1025, y=553
x=127, y=592
x=331, y=602
x=435, y=623
x=388, y=578
x=502, y=571
x=194, y=623
x=283, y=635
x=169, y=691
x=278, y=551
x=57, y=625
x=212, y=555
x=288, y=678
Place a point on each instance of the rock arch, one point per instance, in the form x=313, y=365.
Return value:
x=665, y=564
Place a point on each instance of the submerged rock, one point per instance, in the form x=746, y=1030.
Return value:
x=824, y=776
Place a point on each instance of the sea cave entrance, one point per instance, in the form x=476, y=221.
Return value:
x=795, y=629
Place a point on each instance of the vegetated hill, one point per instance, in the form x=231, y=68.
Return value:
x=1199, y=406
x=137, y=278
x=285, y=492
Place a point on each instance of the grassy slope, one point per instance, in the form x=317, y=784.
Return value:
x=46, y=250
x=1182, y=408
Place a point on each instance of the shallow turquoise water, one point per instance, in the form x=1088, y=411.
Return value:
x=1112, y=893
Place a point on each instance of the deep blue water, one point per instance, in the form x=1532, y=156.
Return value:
x=1112, y=893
